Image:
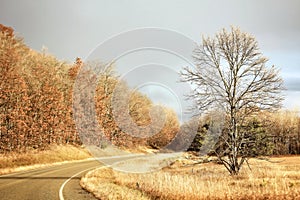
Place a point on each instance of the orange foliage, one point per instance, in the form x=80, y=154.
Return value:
x=34, y=97
x=36, y=103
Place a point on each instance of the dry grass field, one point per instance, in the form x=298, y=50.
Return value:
x=12, y=162
x=278, y=178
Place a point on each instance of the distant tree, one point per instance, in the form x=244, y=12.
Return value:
x=283, y=129
x=125, y=116
x=231, y=74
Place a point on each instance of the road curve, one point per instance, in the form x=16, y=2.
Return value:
x=45, y=183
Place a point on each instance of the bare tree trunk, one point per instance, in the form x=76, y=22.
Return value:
x=231, y=75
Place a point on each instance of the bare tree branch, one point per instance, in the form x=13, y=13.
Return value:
x=231, y=74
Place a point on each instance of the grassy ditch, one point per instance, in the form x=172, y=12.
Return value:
x=12, y=162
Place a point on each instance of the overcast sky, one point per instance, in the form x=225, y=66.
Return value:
x=73, y=28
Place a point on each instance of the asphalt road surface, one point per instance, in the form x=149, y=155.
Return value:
x=54, y=182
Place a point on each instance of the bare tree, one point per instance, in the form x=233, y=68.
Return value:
x=231, y=74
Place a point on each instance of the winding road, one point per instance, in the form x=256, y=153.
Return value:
x=59, y=182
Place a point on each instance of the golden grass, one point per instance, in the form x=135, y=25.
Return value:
x=101, y=183
x=13, y=162
x=267, y=180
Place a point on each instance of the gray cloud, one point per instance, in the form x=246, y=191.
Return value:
x=72, y=28
x=293, y=84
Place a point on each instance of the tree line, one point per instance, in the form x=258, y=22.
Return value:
x=36, y=102
x=276, y=133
